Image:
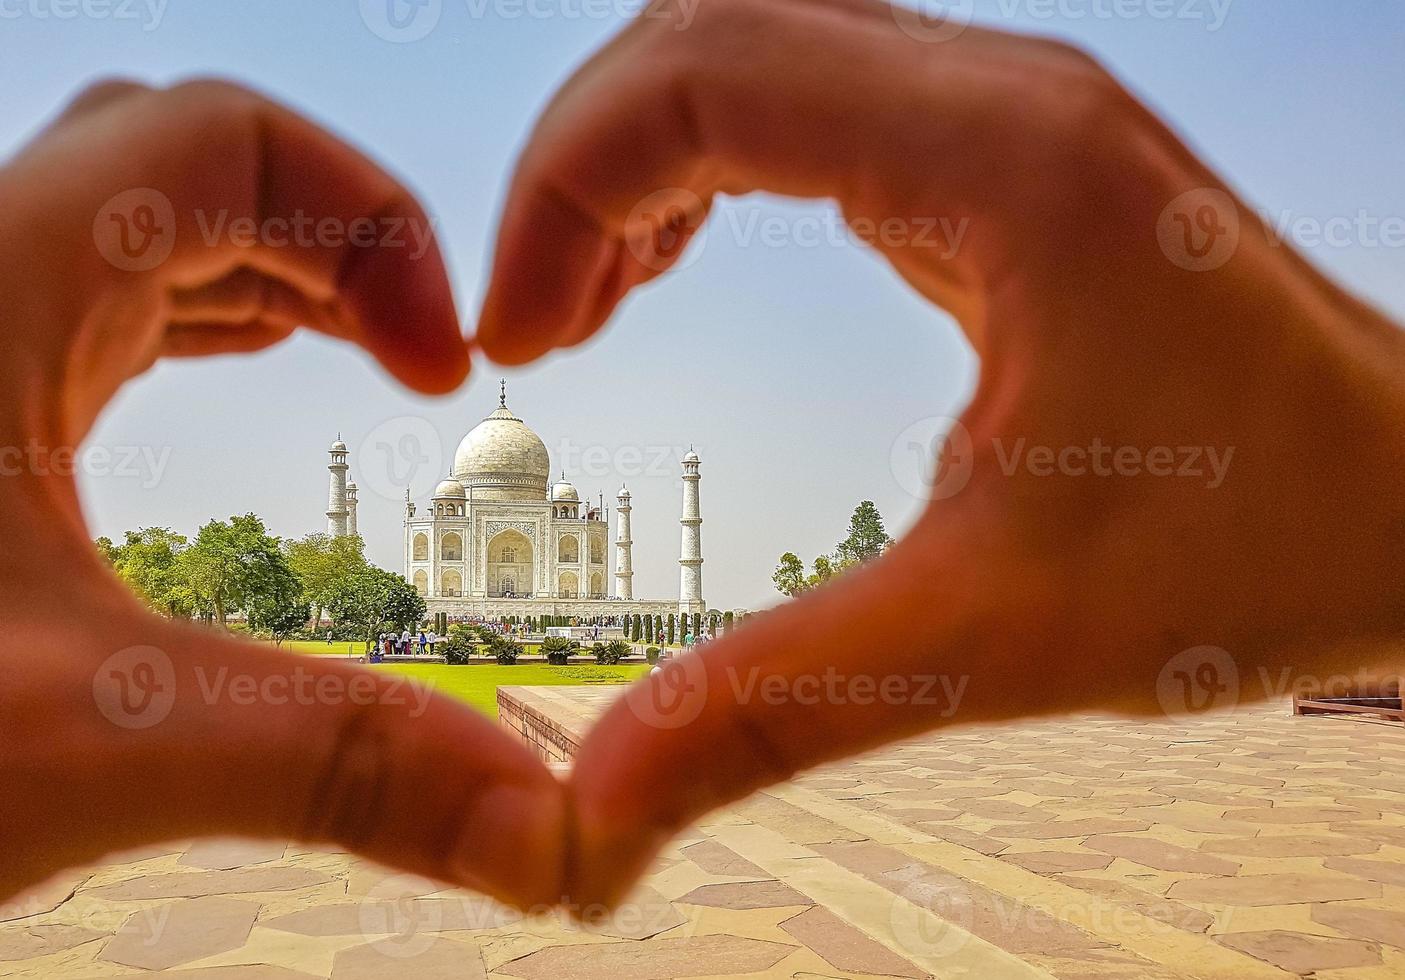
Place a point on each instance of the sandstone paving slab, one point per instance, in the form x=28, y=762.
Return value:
x=1157, y=854
x=980, y=843
x=746, y=895
x=1303, y=954
x=1383, y=832
x=662, y=960
x=30, y=942
x=644, y=914
x=846, y=948
x=1386, y=872
x=796, y=824
x=1003, y=810
x=1273, y=889
x=1058, y=862
x=1056, y=829
x=434, y=959
x=195, y=884
x=1299, y=815
x=225, y=854
x=1290, y=845
x=717, y=859
x=396, y=917
x=1363, y=922
x=1207, y=794
x=181, y=932
x=1162, y=909
x=253, y=971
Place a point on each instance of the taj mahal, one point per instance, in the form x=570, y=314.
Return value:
x=499, y=538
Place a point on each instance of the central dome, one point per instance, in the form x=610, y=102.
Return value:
x=502, y=459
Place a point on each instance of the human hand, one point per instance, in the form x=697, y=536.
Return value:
x=121, y=728
x=1116, y=293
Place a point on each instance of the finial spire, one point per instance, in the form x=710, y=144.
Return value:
x=502, y=393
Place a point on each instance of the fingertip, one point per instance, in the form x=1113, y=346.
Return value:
x=405, y=314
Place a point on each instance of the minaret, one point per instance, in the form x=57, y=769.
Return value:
x=336, y=494
x=351, y=510
x=624, y=544
x=690, y=594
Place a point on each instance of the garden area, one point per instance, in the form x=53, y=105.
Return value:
x=478, y=684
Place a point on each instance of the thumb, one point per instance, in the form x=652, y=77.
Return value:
x=182, y=732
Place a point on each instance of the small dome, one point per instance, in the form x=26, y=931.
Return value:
x=624, y=493
x=692, y=457
x=564, y=491
x=449, y=488
x=338, y=447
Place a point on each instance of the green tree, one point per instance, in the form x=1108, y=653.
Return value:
x=824, y=571
x=374, y=601
x=322, y=562
x=728, y=621
x=789, y=575
x=230, y=566
x=649, y=629
x=148, y=560
x=636, y=629
x=672, y=628
x=867, y=538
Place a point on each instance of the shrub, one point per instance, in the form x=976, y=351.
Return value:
x=652, y=655
x=612, y=652
x=506, y=650
x=558, y=650
x=457, y=649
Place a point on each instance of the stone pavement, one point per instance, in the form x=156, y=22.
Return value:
x=1247, y=845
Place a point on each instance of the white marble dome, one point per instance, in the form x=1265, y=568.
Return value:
x=502, y=459
x=565, y=491
x=449, y=488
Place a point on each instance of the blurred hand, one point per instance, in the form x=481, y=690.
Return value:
x=1116, y=293
x=147, y=224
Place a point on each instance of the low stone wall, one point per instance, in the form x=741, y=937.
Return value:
x=552, y=721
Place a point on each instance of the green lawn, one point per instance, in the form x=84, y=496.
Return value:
x=478, y=684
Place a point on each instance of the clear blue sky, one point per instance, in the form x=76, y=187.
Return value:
x=792, y=369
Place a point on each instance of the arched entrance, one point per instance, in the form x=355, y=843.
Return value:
x=510, y=567
x=597, y=586
x=452, y=582
x=570, y=586
x=421, y=582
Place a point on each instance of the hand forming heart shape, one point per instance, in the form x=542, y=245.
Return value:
x=1116, y=293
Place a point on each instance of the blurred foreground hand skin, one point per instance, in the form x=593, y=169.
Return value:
x=120, y=728
x=1116, y=293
